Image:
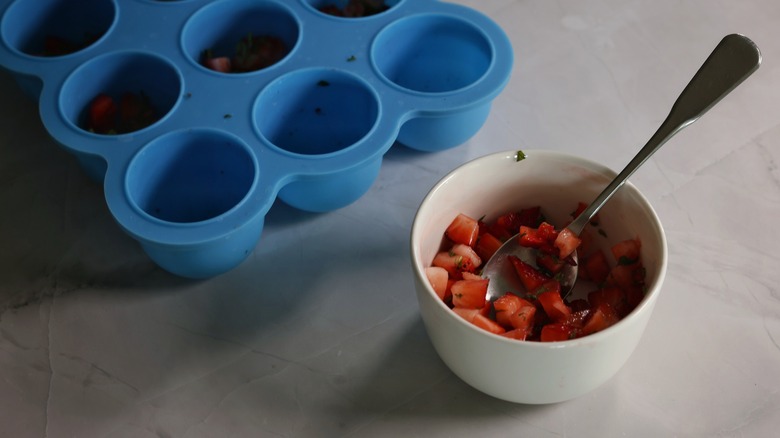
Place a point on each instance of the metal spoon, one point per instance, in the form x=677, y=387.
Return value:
x=733, y=60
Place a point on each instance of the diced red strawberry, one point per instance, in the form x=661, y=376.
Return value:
x=449, y=261
x=514, y=312
x=438, y=277
x=509, y=222
x=626, y=276
x=469, y=293
x=487, y=245
x=531, y=277
x=566, y=242
x=530, y=217
x=626, y=252
x=517, y=334
x=531, y=238
x=577, y=319
x=547, y=232
x=467, y=314
x=557, y=332
x=634, y=296
x=601, y=317
x=578, y=304
x=553, y=305
x=221, y=64
x=595, y=267
x=549, y=263
x=102, y=114
x=463, y=229
x=610, y=295
x=488, y=324
x=470, y=276
x=470, y=260
x=506, y=306
x=476, y=317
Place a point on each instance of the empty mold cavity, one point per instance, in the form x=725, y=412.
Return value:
x=116, y=75
x=352, y=8
x=190, y=176
x=316, y=111
x=56, y=27
x=218, y=29
x=432, y=53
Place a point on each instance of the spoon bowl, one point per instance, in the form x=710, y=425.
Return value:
x=731, y=62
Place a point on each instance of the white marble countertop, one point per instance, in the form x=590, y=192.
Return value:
x=318, y=334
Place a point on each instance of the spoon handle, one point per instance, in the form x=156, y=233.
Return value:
x=733, y=60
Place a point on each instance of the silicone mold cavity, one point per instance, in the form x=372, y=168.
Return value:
x=194, y=184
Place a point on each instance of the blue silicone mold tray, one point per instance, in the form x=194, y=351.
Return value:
x=194, y=187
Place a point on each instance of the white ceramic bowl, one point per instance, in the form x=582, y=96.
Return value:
x=525, y=371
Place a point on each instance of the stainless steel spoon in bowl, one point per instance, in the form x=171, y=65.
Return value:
x=733, y=60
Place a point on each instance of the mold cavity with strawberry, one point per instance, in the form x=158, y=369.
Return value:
x=253, y=52
x=55, y=45
x=355, y=8
x=133, y=112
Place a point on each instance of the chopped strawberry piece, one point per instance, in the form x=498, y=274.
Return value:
x=438, y=277
x=566, y=242
x=634, y=296
x=601, y=317
x=595, y=267
x=517, y=334
x=626, y=276
x=488, y=324
x=615, y=297
x=487, y=245
x=469, y=276
x=549, y=263
x=449, y=261
x=553, y=305
x=221, y=64
x=467, y=314
x=547, y=232
x=509, y=223
x=626, y=252
x=514, y=312
x=470, y=260
x=531, y=277
x=557, y=332
x=577, y=319
x=102, y=114
x=470, y=294
x=531, y=238
x=476, y=317
x=530, y=217
x=463, y=229
x=578, y=304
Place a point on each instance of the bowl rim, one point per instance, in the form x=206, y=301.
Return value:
x=651, y=294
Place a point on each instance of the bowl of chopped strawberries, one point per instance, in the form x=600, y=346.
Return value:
x=534, y=344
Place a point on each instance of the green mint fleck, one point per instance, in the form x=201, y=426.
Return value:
x=625, y=261
x=520, y=156
x=352, y=59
